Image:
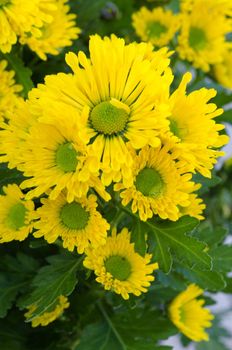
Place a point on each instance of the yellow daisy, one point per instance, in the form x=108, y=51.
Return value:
x=77, y=223
x=16, y=215
x=223, y=71
x=203, y=31
x=160, y=184
x=49, y=316
x=56, y=158
x=157, y=26
x=120, y=100
x=13, y=133
x=193, y=128
x=187, y=314
x=20, y=16
x=118, y=267
x=55, y=35
x=9, y=91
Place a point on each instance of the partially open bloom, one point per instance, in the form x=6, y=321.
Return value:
x=77, y=223
x=223, y=71
x=54, y=35
x=203, y=31
x=157, y=26
x=193, y=128
x=119, y=101
x=22, y=16
x=16, y=215
x=118, y=267
x=9, y=91
x=188, y=314
x=48, y=316
x=160, y=184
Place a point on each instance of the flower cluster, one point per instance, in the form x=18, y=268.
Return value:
x=202, y=28
x=44, y=25
x=102, y=131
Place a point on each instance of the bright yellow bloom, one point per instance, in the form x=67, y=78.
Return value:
x=13, y=133
x=187, y=313
x=157, y=26
x=55, y=35
x=193, y=128
x=16, y=215
x=21, y=16
x=77, y=223
x=118, y=267
x=161, y=185
x=223, y=71
x=120, y=100
x=49, y=316
x=56, y=158
x=9, y=91
x=203, y=31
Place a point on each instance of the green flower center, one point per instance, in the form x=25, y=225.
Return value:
x=16, y=216
x=119, y=267
x=155, y=29
x=108, y=119
x=66, y=157
x=197, y=38
x=74, y=216
x=173, y=126
x=149, y=182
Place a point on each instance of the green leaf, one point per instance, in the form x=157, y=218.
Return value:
x=211, y=236
x=222, y=258
x=9, y=176
x=161, y=253
x=58, y=278
x=212, y=344
x=138, y=237
x=209, y=280
x=206, y=183
x=130, y=330
x=186, y=248
x=22, y=73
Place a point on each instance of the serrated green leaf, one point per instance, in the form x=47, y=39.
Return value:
x=185, y=248
x=211, y=236
x=208, y=280
x=22, y=73
x=126, y=331
x=138, y=234
x=58, y=278
x=222, y=258
x=161, y=253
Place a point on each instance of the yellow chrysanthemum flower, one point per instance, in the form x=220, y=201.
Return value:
x=203, y=31
x=9, y=91
x=193, y=128
x=16, y=215
x=49, y=316
x=56, y=158
x=20, y=16
x=115, y=104
x=77, y=223
x=13, y=133
x=161, y=185
x=223, y=71
x=187, y=313
x=55, y=35
x=157, y=26
x=118, y=267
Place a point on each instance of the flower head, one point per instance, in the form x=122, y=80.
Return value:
x=77, y=223
x=188, y=314
x=157, y=26
x=118, y=267
x=161, y=184
x=193, y=129
x=120, y=101
x=49, y=316
x=9, y=91
x=54, y=35
x=203, y=31
x=16, y=215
